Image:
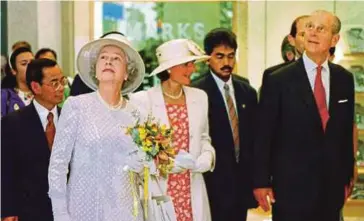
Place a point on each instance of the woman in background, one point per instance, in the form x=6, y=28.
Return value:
x=15, y=93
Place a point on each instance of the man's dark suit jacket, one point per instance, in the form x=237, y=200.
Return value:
x=229, y=186
x=24, y=166
x=270, y=70
x=78, y=87
x=307, y=167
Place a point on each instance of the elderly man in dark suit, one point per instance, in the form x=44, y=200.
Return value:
x=304, y=139
x=232, y=104
x=26, y=142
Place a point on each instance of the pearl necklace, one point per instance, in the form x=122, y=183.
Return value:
x=111, y=107
x=172, y=96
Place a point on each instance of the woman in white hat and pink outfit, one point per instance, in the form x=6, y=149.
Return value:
x=185, y=109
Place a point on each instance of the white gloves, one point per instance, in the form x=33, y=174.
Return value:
x=183, y=161
x=136, y=162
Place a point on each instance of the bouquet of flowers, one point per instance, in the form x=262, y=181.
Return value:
x=155, y=140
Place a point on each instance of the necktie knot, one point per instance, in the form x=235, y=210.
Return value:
x=319, y=69
x=50, y=117
x=226, y=87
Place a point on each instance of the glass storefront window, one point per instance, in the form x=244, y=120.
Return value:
x=150, y=24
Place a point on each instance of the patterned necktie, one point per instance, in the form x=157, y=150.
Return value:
x=320, y=97
x=50, y=130
x=234, y=123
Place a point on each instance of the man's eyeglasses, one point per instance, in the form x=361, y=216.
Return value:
x=318, y=28
x=56, y=85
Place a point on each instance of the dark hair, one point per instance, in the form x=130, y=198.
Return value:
x=286, y=46
x=219, y=36
x=45, y=50
x=293, y=31
x=35, y=70
x=21, y=44
x=111, y=32
x=163, y=76
x=332, y=51
x=15, y=54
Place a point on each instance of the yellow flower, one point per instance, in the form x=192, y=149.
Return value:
x=148, y=142
x=163, y=129
x=154, y=128
x=142, y=133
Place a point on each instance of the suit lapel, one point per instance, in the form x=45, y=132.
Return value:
x=158, y=105
x=301, y=83
x=36, y=130
x=239, y=99
x=334, y=93
x=218, y=105
x=214, y=93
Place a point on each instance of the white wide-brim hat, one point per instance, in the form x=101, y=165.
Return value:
x=178, y=51
x=87, y=58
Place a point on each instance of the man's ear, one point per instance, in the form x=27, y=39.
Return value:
x=35, y=87
x=335, y=39
x=13, y=72
x=291, y=40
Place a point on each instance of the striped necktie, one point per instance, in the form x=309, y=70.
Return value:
x=234, y=122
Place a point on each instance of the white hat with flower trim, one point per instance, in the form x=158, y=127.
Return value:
x=178, y=51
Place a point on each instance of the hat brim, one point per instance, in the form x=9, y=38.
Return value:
x=87, y=57
x=168, y=64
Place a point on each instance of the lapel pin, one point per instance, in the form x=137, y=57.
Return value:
x=16, y=107
x=243, y=105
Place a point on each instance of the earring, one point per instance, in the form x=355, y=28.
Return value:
x=169, y=71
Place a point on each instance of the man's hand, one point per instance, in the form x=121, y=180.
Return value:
x=262, y=195
x=10, y=218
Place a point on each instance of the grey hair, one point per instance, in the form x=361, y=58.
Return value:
x=336, y=26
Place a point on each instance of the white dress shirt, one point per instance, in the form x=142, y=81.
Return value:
x=311, y=70
x=43, y=113
x=220, y=84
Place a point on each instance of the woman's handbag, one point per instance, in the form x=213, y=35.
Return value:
x=160, y=207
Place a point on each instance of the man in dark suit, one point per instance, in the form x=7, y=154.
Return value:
x=26, y=142
x=232, y=104
x=295, y=38
x=304, y=139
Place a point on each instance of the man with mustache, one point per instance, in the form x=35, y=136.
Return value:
x=304, y=138
x=232, y=104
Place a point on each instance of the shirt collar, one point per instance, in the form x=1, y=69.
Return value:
x=220, y=83
x=43, y=112
x=310, y=65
